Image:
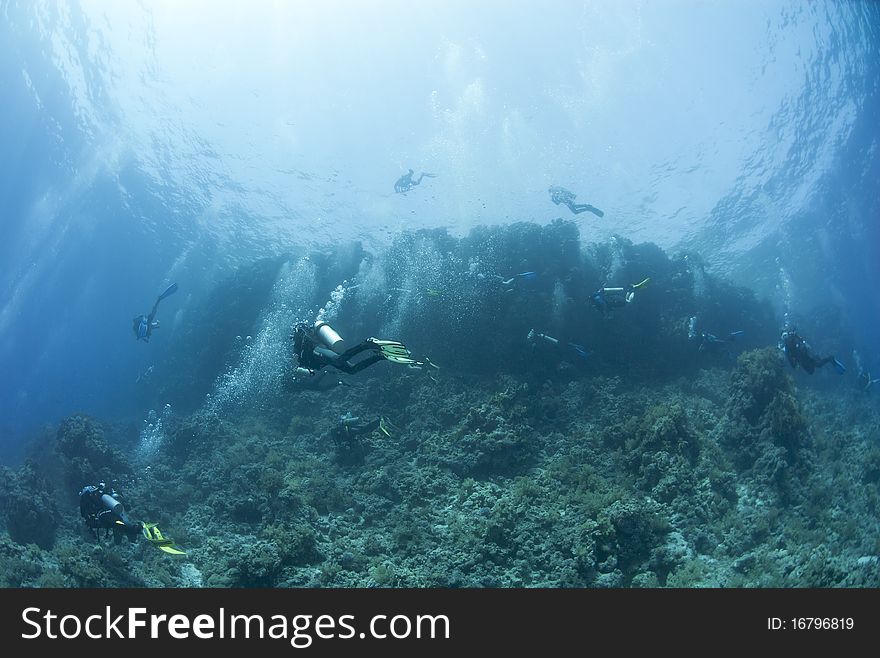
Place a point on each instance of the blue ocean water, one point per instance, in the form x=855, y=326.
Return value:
x=151, y=142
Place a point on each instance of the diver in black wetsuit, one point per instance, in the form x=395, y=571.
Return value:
x=799, y=353
x=346, y=435
x=536, y=339
x=607, y=299
x=709, y=342
x=350, y=426
x=316, y=347
x=405, y=183
x=566, y=197
x=143, y=325
x=101, y=508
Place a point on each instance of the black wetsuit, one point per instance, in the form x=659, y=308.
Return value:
x=148, y=321
x=314, y=356
x=710, y=342
x=566, y=197
x=799, y=352
x=350, y=448
x=607, y=299
x=347, y=429
x=405, y=183
x=98, y=515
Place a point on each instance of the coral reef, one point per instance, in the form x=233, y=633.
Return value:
x=31, y=512
x=486, y=487
x=82, y=445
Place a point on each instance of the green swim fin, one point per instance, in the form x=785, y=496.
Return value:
x=395, y=350
x=395, y=358
x=383, y=343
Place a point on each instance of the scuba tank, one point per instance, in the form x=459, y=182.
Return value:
x=112, y=504
x=533, y=337
x=329, y=337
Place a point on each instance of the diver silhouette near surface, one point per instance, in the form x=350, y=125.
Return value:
x=406, y=182
x=143, y=325
x=560, y=195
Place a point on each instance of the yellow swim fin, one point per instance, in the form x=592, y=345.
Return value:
x=156, y=538
x=394, y=358
x=386, y=427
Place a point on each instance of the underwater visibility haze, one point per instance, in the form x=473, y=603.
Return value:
x=444, y=294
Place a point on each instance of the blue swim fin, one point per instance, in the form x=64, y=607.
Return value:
x=170, y=290
x=839, y=367
x=736, y=334
x=528, y=276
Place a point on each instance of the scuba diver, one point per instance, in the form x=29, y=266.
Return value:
x=607, y=299
x=864, y=376
x=349, y=447
x=101, y=508
x=709, y=342
x=405, y=183
x=350, y=426
x=799, y=352
x=523, y=280
x=320, y=346
x=517, y=280
x=534, y=339
x=143, y=325
x=561, y=195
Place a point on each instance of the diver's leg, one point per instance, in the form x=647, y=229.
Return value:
x=363, y=363
x=329, y=358
x=578, y=208
x=342, y=365
x=366, y=428
x=357, y=349
x=838, y=366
